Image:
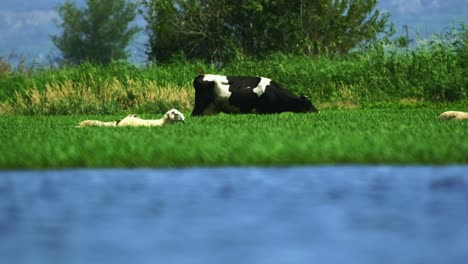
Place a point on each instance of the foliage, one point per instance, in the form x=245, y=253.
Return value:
x=434, y=72
x=89, y=88
x=336, y=27
x=406, y=136
x=193, y=28
x=98, y=33
x=15, y=64
x=218, y=30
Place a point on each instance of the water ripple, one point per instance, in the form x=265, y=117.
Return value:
x=326, y=214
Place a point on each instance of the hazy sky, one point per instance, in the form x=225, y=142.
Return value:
x=26, y=25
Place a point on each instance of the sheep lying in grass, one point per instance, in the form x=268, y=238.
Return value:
x=172, y=116
x=454, y=115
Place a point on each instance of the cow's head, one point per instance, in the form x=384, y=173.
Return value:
x=305, y=105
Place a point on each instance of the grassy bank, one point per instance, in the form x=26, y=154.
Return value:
x=426, y=75
x=379, y=136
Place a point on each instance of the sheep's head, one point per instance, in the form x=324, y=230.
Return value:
x=173, y=116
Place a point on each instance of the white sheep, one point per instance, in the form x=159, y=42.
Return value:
x=453, y=115
x=172, y=116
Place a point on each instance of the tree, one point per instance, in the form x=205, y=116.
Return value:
x=335, y=27
x=164, y=40
x=221, y=29
x=99, y=33
x=196, y=28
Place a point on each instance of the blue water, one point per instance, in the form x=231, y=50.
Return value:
x=382, y=214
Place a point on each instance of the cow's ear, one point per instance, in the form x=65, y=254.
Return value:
x=304, y=97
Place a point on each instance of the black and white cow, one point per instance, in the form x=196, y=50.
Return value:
x=232, y=94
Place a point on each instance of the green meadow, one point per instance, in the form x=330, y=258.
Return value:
x=377, y=107
x=335, y=136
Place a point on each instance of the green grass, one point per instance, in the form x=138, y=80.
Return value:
x=364, y=136
x=426, y=74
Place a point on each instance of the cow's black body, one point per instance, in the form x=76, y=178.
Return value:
x=232, y=94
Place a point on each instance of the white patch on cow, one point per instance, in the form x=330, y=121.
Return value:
x=222, y=94
x=260, y=89
x=221, y=86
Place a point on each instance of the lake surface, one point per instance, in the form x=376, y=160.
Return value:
x=355, y=214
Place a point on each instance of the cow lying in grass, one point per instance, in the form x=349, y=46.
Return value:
x=172, y=116
x=454, y=115
x=232, y=94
